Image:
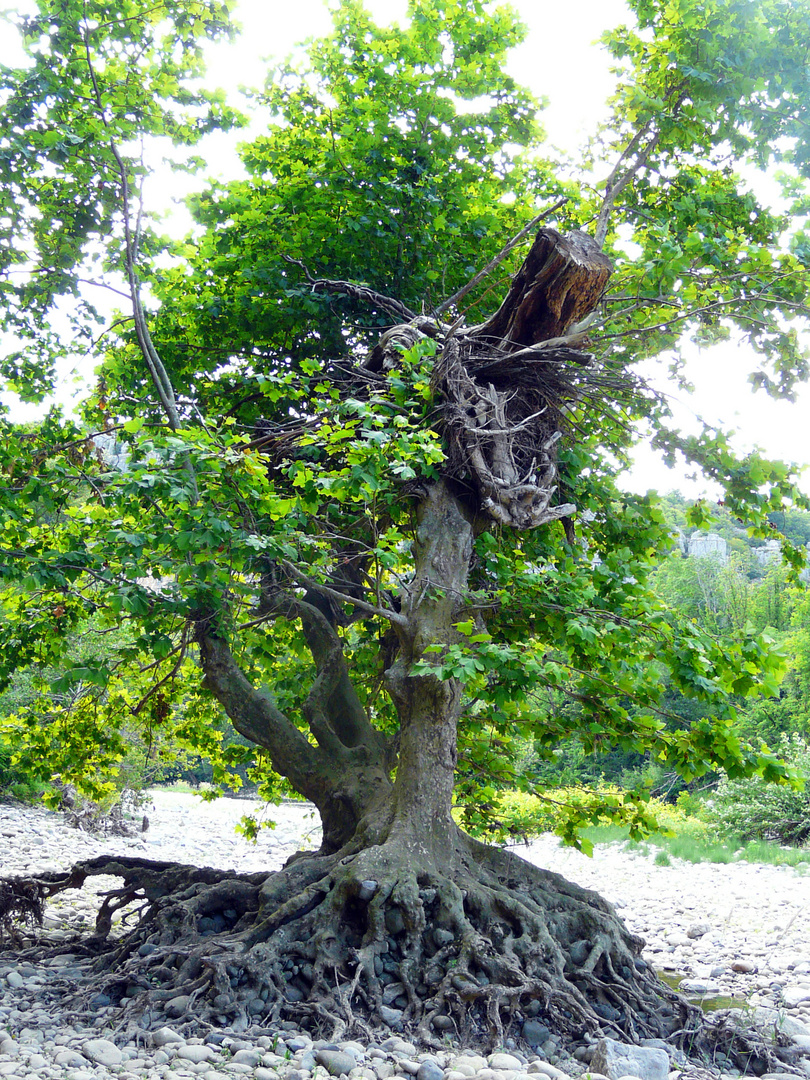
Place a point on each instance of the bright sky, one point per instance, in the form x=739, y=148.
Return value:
x=561, y=63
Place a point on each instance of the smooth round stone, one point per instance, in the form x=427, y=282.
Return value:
x=399, y=1045
x=465, y=1062
x=535, y=1033
x=166, y=1035
x=367, y=889
x=392, y=1017
x=178, y=1005
x=102, y=1052
x=430, y=1070
x=69, y=1059
x=444, y=1023
x=546, y=1068
x=197, y=1052
x=336, y=1062
x=697, y=930
x=505, y=1061
x=247, y=1057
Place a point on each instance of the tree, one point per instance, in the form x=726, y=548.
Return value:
x=370, y=514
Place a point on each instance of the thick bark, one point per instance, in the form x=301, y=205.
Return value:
x=345, y=712
x=429, y=707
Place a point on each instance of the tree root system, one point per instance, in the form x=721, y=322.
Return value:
x=346, y=945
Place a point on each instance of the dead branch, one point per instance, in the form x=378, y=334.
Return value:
x=357, y=292
x=556, y=289
x=503, y=390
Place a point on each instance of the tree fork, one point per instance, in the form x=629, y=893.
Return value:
x=343, y=782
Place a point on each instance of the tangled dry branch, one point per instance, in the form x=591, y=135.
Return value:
x=21, y=908
x=502, y=439
x=507, y=390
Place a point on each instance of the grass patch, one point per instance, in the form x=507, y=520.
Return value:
x=607, y=834
x=180, y=787
x=762, y=851
x=697, y=848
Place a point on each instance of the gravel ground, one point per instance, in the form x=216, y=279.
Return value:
x=735, y=930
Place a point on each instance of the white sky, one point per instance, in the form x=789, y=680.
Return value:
x=560, y=62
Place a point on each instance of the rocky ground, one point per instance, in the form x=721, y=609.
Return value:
x=737, y=931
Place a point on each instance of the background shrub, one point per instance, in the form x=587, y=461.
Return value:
x=519, y=815
x=754, y=810
x=14, y=781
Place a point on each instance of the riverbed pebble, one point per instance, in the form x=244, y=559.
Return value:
x=737, y=930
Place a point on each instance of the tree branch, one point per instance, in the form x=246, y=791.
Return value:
x=255, y=715
x=616, y=181
x=393, y=617
x=333, y=700
x=155, y=366
x=357, y=292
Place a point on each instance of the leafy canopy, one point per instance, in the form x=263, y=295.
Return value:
x=400, y=159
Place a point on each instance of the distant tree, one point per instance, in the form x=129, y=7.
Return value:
x=794, y=524
x=370, y=513
x=778, y=718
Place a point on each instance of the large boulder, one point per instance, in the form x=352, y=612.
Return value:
x=615, y=1060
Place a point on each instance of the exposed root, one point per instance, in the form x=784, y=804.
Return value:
x=21, y=908
x=348, y=945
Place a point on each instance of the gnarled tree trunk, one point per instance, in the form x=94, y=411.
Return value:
x=475, y=939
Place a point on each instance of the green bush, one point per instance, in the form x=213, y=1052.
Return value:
x=14, y=782
x=519, y=815
x=755, y=810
